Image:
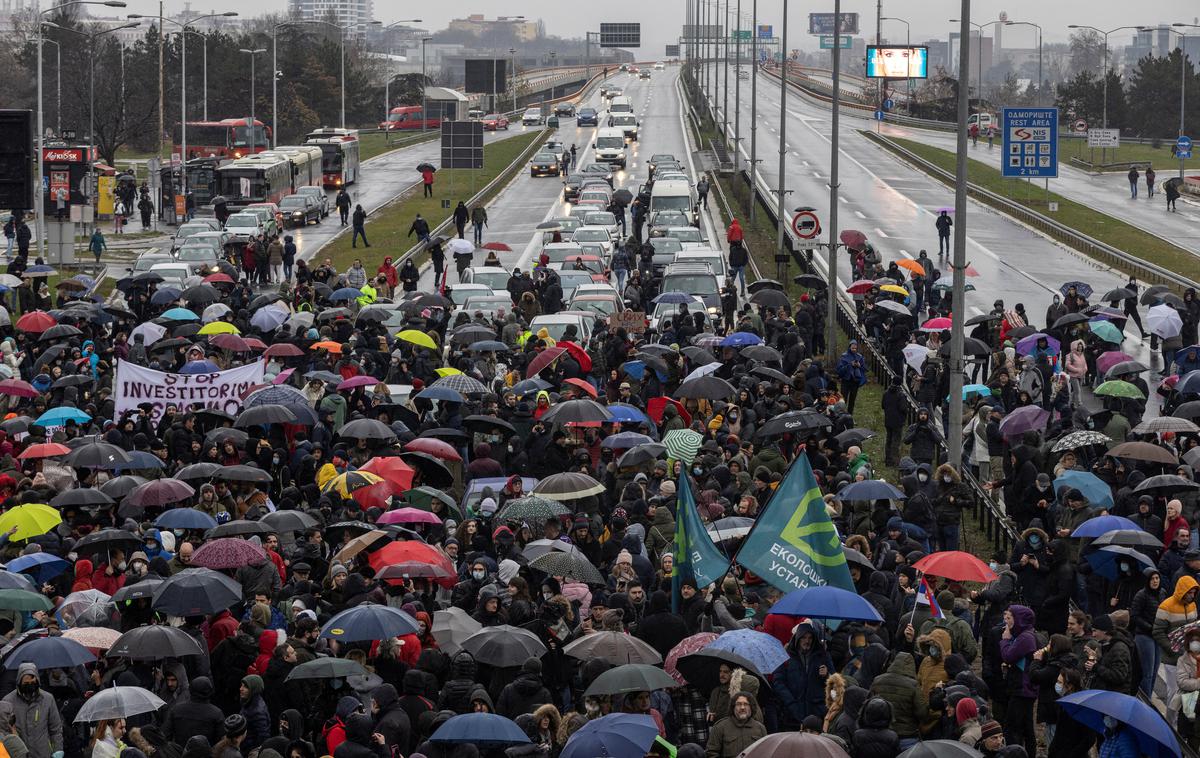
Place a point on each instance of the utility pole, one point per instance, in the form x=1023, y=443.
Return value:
x=954, y=439
x=780, y=212
x=753, y=107
x=878, y=41
x=737, y=91
x=831, y=305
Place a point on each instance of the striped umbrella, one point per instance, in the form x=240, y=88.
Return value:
x=683, y=444
x=462, y=383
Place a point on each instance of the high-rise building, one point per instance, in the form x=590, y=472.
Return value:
x=10, y=8
x=354, y=14
x=521, y=28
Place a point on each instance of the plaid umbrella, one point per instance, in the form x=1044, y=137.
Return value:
x=683, y=444
x=687, y=646
x=568, y=565
x=462, y=383
x=1080, y=439
x=227, y=553
x=532, y=508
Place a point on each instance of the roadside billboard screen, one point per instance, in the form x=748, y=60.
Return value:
x=897, y=62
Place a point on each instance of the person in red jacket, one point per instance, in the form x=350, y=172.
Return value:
x=734, y=233
x=388, y=271
x=223, y=625
x=271, y=545
x=83, y=575
x=427, y=180
x=110, y=577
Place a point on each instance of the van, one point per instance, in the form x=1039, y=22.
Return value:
x=673, y=195
x=620, y=104
x=982, y=120
x=610, y=146
x=627, y=123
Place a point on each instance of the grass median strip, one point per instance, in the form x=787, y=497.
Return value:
x=1077, y=216
x=387, y=227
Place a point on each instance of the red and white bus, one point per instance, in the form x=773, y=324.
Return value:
x=408, y=117
x=227, y=138
x=339, y=155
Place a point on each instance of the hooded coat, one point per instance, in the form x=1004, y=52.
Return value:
x=1017, y=652
x=525, y=693
x=195, y=716
x=846, y=722
x=456, y=694
x=36, y=717
x=258, y=718
x=359, y=742
x=730, y=736
x=899, y=687
x=660, y=628
x=874, y=738
x=799, y=683
x=1173, y=613
x=1116, y=670
x=392, y=721
x=933, y=666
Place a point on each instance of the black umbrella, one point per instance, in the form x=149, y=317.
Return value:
x=766, y=372
x=98, y=455
x=578, y=412
x=764, y=284
x=59, y=332
x=81, y=496
x=289, y=521
x=1166, y=484
x=707, y=387
x=1120, y=293
x=241, y=474
x=201, y=294
x=811, y=281
x=857, y=558
x=433, y=472
x=445, y=433
x=854, y=436
x=264, y=299
x=106, y=540
x=1153, y=294
x=1068, y=320
x=198, y=471
x=623, y=196
x=16, y=425
x=367, y=429
x=154, y=642
x=121, y=486
x=1021, y=332
x=983, y=318
x=223, y=434
x=971, y=346
x=141, y=590
x=697, y=355
x=423, y=167
x=489, y=425
x=762, y=353
x=326, y=668
x=630, y=678
x=504, y=645
x=794, y=422
x=1135, y=538
x=647, y=452
x=702, y=669
x=268, y=413
x=237, y=528
x=72, y=380
x=196, y=592
x=770, y=298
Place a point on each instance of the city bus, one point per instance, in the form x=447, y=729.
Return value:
x=408, y=117
x=254, y=180
x=339, y=155
x=305, y=161
x=227, y=138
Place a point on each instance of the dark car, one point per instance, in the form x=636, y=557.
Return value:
x=564, y=109
x=600, y=170
x=299, y=210
x=587, y=117
x=544, y=164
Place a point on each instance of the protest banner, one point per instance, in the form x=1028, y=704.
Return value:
x=221, y=390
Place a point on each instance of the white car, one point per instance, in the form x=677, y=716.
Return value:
x=556, y=324
x=688, y=236
x=533, y=117
x=667, y=310
x=659, y=66
x=245, y=225
x=602, y=218
x=495, y=277
x=598, y=234
x=595, y=288
x=488, y=305
x=173, y=274
x=460, y=292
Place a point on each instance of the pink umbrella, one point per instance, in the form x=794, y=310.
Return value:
x=283, y=376
x=409, y=516
x=1110, y=359
x=853, y=239
x=686, y=646
x=355, y=382
x=227, y=553
x=936, y=325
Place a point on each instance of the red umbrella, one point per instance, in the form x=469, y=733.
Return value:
x=498, y=246
x=44, y=450
x=230, y=342
x=937, y=324
x=417, y=559
x=861, y=287
x=35, y=322
x=378, y=495
x=218, y=278
x=283, y=350
x=158, y=492
x=581, y=384
x=18, y=388
x=435, y=447
x=579, y=354
x=355, y=382
x=227, y=553
x=254, y=343
x=656, y=406
x=409, y=516
x=853, y=239
x=542, y=360
x=955, y=565
x=283, y=376
x=393, y=469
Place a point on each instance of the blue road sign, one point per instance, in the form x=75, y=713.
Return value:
x=1183, y=148
x=1030, y=142
x=889, y=104
x=879, y=115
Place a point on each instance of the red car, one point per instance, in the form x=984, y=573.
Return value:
x=494, y=121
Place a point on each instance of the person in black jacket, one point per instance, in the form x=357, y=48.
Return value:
x=921, y=438
x=1060, y=587
x=361, y=739
x=525, y=693
x=662, y=629
x=1141, y=623
x=895, y=416
x=1071, y=738
x=1048, y=663
x=874, y=737
x=391, y=720
x=456, y=695
x=846, y=722
x=461, y=216
x=230, y=659
x=195, y=715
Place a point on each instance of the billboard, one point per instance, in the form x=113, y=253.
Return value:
x=462, y=144
x=672, y=51
x=823, y=23
x=620, y=35
x=897, y=62
x=485, y=75
x=702, y=32
x=766, y=31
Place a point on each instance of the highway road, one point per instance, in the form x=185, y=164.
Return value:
x=895, y=206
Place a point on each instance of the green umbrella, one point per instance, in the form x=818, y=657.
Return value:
x=631, y=677
x=24, y=600
x=532, y=508
x=1106, y=331
x=326, y=668
x=423, y=497
x=683, y=444
x=1117, y=388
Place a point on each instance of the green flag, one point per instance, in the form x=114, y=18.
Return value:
x=794, y=543
x=696, y=557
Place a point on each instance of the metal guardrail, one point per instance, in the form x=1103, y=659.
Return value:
x=824, y=95
x=1092, y=247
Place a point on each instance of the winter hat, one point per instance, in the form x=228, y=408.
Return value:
x=624, y=557
x=167, y=540
x=508, y=570
x=487, y=506
x=235, y=725
x=667, y=488
x=501, y=531
x=989, y=728
x=531, y=666
x=254, y=683
x=965, y=710
x=1103, y=623
x=260, y=613
x=139, y=556
x=336, y=569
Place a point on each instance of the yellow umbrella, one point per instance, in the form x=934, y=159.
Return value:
x=418, y=338
x=219, y=327
x=894, y=288
x=446, y=371
x=30, y=520
x=351, y=481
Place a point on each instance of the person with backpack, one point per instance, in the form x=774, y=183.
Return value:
x=343, y=205
x=943, y=224
x=1133, y=177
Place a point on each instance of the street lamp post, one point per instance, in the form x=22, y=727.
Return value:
x=275, y=70
x=387, y=82
x=57, y=86
x=252, y=52
x=1105, y=72
x=1040, y=99
x=1183, y=81
x=954, y=435
x=737, y=89
x=978, y=56
x=41, y=126
x=908, y=44
x=512, y=55
x=753, y=105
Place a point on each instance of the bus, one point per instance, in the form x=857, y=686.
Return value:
x=408, y=117
x=227, y=138
x=339, y=155
x=254, y=180
x=306, y=164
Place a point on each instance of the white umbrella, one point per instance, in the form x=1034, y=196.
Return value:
x=452, y=627
x=1164, y=321
x=915, y=355
x=5, y=319
x=460, y=247
x=215, y=312
x=268, y=319
x=8, y=280
x=150, y=332
x=303, y=318
x=118, y=703
x=705, y=370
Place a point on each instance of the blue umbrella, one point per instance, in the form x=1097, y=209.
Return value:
x=761, y=649
x=976, y=389
x=1083, y=288
x=268, y=319
x=43, y=566
x=1189, y=383
x=826, y=603
x=50, y=653
x=673, y=298
x=618, y=735
x=441, y=393
x=1095, y=489
x=486, y=346
x=369, y=622
x=346, y=293
x=1106, y=331
x=164, y=295
x=480, y=729
x=625, y=440
x=180, y=314
x=870, y=489
x=1154, y=736
x=1094, y=527
x=40, y=269
x=741, y=339
x=199, y=367
x=184, y=518
x=635, y=369
x=1106, y=561
x=530, y=386
x=627, y=414
x=61, y=415
x=138, y=460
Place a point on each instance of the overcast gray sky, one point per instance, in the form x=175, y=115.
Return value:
x=661, y=19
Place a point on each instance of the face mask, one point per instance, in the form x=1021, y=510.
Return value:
x=121, y=566
x=28, y=689
x=697, y=470
x=994, y=566
x=922, y=477
x=275, y=460
x=1110, y=722
x=935, y=651
x=1194, y=646
x=478, y=575
x=1059, y=689
x=547, y=596
x=1034, y=540
x=947, y=479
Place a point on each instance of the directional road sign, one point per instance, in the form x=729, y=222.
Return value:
x=1183, y=147
x=843, y=42
x=1030, y=142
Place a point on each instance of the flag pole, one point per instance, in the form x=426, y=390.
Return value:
x=912, y=616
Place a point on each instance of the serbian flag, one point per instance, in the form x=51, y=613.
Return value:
x=925, y=597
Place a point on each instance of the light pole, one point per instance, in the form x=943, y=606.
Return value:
x=275, y=70
x=725, y=65
x=907, y=44
x=954, y=436
x=252, y=53
x=1105, y=72
x=737, y=88
x=1183, y=81
x=831, y=325
x=57, y=86
x=1039, y=30
x=387, y=82
x=753, y=105
x=41, y=126
x=91, y=38
x=978, y=56
x=512, y=54
x=783, y=114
